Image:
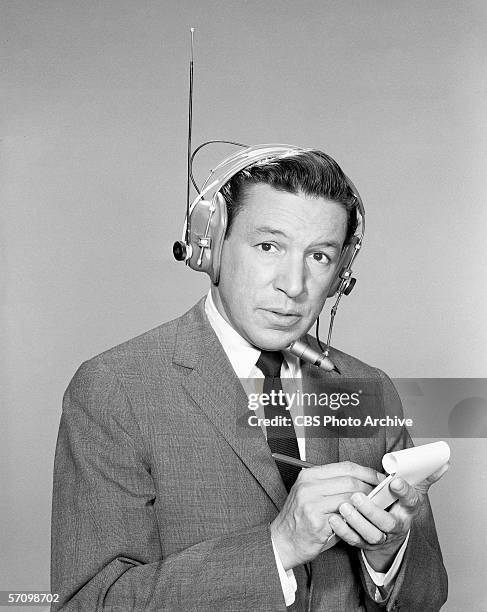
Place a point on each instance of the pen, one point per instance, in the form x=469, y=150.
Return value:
x=292, y=461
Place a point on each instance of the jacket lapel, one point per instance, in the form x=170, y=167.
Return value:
x=320, y=449
x=214, y=386
x=336, y=445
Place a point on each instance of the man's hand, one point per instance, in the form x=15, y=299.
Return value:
x=301, y=529
x=379, y=533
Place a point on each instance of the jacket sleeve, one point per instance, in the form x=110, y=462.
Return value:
x=421, y=583
x=106, y=550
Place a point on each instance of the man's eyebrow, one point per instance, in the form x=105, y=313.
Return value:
x=267, y=230
x=272, y=230
x=327, y=243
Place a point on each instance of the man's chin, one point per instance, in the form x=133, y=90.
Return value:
x=273, y=340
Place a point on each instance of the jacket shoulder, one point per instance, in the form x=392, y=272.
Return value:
x=151, y=349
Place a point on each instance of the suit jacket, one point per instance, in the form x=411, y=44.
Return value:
x=159, y=503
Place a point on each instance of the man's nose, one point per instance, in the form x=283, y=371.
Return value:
x=291, y=277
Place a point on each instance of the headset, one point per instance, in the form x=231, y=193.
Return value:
x=206, y=219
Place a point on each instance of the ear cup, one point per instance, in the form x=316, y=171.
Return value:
x=208, y=222
x=343, y=273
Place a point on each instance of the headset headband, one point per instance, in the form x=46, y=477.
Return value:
x=205, y=227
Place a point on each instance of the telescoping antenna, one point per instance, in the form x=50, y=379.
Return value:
x=183, y=249
x=190, y=132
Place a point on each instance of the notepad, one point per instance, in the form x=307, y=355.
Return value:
x=412, y=465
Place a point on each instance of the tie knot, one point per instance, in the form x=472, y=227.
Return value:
x=270, y=362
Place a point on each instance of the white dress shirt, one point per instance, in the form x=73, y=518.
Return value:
x=243, y=357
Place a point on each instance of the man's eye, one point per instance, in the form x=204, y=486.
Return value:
x=267, y=247
x=321, y=257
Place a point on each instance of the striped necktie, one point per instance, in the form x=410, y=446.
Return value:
x=281, y=438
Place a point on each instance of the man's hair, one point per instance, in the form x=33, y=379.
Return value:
x=312, y=173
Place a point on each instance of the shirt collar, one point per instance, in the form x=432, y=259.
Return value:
x=242, y=355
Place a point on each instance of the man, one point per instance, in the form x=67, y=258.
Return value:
x=160, y=503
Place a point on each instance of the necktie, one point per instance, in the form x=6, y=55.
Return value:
x=281, y=438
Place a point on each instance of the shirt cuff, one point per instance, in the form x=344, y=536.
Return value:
x=382, y=580
x=288, y=581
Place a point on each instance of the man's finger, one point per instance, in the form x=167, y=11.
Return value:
x=331, y=503
x=341, y=485
x=367, y=530
x=407, y=495
x=425, y=484
x=344, y=468
x=382, y=519
x=346, y=533
x=436, y=475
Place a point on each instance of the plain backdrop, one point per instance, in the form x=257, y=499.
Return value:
x=93, y=165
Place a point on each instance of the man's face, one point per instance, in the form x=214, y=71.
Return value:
x=277, y=265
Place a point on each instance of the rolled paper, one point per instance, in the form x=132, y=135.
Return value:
x=417, y=463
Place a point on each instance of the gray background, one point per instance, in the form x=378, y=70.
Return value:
x=93, y=194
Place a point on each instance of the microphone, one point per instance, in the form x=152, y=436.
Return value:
x=306, y=353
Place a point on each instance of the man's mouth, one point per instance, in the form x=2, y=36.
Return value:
x=284, y=318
